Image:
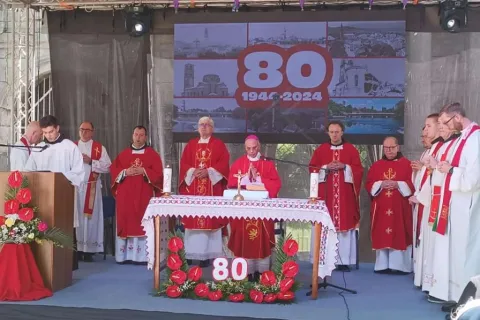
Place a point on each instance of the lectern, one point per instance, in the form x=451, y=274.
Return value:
x=54, y=196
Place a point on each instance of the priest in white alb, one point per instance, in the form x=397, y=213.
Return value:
x=458, y=219
x=89, y=195
x=423, y=237
x=60, y=155
x=19, y=154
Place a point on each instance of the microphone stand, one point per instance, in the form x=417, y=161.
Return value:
x=41, y=148
x=324, y=284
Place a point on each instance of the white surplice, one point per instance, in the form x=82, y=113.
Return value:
x=90, y=230
x=464, y=217
x=422, y=254
x=347, y=240
x=203, y=244
x=19, y=157
x=63, y=157
x=438, y=281
x=400, y=260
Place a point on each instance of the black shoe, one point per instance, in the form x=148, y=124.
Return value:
x=384, y=271
x=343, y=268
x=449, y=307
x=189, y=262
x=88, y=257
x=399, y=273
x=435, y=300
x=80, y=256
x=204, y=263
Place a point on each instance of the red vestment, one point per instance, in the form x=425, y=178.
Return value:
x=391, y=214
x=213, y=154
x=254, y=238
x=342, y=198
x=133, y=193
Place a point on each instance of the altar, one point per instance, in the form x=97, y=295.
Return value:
x=161, y=209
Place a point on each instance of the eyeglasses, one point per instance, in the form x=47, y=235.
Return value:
x=389, y=148
x=449, y=119
x=204, y=125
x=85, y=130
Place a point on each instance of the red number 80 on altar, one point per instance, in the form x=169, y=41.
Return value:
x=222, y=271
x=298, y=76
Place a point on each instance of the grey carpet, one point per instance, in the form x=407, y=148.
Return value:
x=24, y=312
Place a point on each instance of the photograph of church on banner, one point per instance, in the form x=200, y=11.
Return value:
x=287, y=80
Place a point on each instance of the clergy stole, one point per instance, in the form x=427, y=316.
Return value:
x=342, y=198
x=254, y=238
x=205, y=155
x=426, y=174
x=25, y=143
x=392, y=224
x=440, y=225
x=91, y=192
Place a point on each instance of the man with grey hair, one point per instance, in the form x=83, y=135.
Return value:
x=458, y=219
x=204, y=168
x=19, y=155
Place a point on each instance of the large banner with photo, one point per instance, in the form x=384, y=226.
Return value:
x=287, y=80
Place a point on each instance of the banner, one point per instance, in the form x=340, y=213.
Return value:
x=288, y=80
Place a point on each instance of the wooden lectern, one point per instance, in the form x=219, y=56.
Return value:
x=54, y=196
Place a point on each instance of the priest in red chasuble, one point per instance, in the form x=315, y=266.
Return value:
x=204, y=168
x=137, y=176
x=340, y=178
x=253, y=239
x=389, y=182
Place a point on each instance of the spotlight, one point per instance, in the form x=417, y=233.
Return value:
x=453, y=14
x=137, y=20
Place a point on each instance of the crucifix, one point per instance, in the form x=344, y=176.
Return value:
x=239, y=177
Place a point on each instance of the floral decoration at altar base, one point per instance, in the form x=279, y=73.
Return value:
x=275, y=286
x=20, y=279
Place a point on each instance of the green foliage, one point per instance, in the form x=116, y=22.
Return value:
x=58, y=237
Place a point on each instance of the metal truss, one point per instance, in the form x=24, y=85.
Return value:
x=23, y=38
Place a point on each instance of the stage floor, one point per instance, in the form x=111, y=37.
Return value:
x=107, y=285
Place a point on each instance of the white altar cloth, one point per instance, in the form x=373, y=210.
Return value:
x=271, y=209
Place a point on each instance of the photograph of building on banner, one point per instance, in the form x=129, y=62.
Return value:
x=287, y=80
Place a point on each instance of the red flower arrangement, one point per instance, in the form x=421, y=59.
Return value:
x=276, y=285
x=19, y=225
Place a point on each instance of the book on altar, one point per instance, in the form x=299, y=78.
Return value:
x=247, y=194
x=255, y=187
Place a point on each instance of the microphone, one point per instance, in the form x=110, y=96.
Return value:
x=45, y=147
x=40, y=148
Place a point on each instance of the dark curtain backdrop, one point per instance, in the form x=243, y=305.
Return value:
x=100, y=78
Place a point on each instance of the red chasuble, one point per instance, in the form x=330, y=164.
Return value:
x=342, y=198
x=391, y=214
x=254, y=238
x=133, y=193
x=213, y=154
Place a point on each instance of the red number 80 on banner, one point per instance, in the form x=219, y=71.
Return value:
x=296, y=77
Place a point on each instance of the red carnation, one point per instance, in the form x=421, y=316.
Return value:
x=25, y=214
x=270, y=297
x=2, y=220
x=201, y=290
x=195, y=273
x=174, y=262
x=11, y=206
x=268, y=278
x=15, y=179
x=175, y=244
x=256, y=296
x=290, y=269
x=215, y=295
x=237, y=297
x=286, y=284
x=24, y=196
x=289, y=295
x=178, y=277
x=290, y=247
x=173, y=292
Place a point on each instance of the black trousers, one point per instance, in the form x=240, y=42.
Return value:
x=75, y=255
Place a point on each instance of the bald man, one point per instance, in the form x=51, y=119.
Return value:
x=389, y=182
x=19, y=155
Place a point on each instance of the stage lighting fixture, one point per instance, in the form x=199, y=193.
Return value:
x=453, y=14
x=137, y=20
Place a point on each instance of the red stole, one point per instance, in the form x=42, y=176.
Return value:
x=426, y=174
x=25, y=143
x=91, y=191
x=441, y=223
